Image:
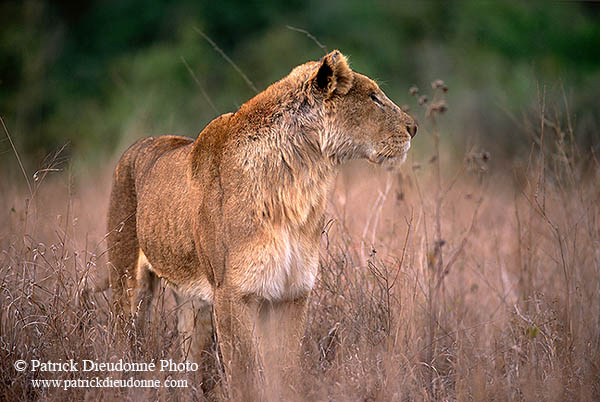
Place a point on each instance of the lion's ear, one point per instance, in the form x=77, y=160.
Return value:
x=334, y=76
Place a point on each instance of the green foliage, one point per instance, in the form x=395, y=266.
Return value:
x=99, y=74
x=532, y=331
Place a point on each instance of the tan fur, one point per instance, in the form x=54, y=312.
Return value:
x=233, y=218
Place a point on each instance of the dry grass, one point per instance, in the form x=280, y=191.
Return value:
x=469, y=280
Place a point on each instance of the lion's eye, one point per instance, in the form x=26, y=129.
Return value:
x=375, y=99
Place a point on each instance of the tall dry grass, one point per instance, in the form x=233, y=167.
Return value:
x=460, y=278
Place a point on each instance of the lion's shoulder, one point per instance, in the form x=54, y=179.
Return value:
x=209, y=144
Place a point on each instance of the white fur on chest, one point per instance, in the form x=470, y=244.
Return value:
x=283, y=268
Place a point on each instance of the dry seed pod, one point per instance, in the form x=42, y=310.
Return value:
x=441, y=107
x=437, y=84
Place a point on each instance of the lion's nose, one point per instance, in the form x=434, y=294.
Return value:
x=412, y=129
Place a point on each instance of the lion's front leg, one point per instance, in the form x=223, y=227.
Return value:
x=235, y=318
x=281, y=327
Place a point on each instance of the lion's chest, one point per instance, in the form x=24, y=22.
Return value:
x=282, y=266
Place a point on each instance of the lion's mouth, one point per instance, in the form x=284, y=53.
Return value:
x=391, y=156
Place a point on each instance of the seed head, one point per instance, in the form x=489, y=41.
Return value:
x=438, y=107
x=437, y=84
x=441, y=107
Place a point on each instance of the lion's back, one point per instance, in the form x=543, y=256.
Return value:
x=133, y=168
x=142, y=154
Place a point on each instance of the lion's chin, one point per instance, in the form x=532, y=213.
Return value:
x=389, y=163
x=391, y=160
x=393, y=163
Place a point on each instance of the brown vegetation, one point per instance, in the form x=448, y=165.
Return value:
x=470, y=280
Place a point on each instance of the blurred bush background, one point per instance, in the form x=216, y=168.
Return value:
x=96, y=75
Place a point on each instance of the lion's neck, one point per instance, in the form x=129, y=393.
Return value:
x=283, y=154
x=272, y=145
x=295, y=174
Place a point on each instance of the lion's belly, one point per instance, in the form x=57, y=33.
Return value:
x=177, y=263
x=281, y=268
x=195, y=286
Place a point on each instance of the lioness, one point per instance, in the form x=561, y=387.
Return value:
x=233, y=218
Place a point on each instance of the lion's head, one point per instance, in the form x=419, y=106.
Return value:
x=360, y=121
